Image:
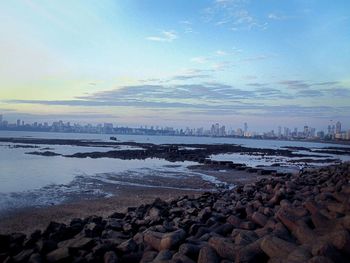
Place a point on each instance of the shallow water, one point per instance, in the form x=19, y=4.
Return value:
x=34, y=180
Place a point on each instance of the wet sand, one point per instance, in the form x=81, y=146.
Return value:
x=30, y=219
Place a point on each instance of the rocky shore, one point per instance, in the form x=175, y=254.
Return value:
x=291, y=218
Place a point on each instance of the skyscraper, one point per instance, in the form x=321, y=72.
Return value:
x=245, y=127
x=338, y=127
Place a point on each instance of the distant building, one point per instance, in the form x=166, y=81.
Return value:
x=338, y=127
x=245, y=127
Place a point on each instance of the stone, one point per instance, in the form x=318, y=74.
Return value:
x=208, y=255
x=153, y=239
x=148, y=256
x=300, y=254
x=251, y=253
x=23, y=256
x=93, y=230
x=320, y=259
x=110, y=257
x=78, y=243
x=244, y=237
x=190, y=250
x=59, y=255
x=224, y=247
x=46, y=246
x=234, y=220
x=171, y=240
x=180, y=258
x=276, y=247
x=128, y=246
x=259, y=219
x=35, y=258
x=163, y=256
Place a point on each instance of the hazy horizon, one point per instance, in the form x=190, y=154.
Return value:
x=179, y=63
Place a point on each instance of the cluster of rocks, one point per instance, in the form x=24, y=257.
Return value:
x=293, y=218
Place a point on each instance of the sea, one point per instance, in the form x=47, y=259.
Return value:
x=33, y=181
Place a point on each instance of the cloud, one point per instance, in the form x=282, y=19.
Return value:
x=232, y=14
x=199, y=60
x=165, y=36
x=210, y=96
x=221, y=53
x=255, y=58
x=277, y=16
x=295, y=84
x=220, y=66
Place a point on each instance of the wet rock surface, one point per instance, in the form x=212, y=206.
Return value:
x=291, y=218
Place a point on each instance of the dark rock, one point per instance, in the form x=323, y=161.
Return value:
x=59, y=255
x=208, y=255
x=93, y=230
x=224, y=247
x=275, y=247
x=110, y=257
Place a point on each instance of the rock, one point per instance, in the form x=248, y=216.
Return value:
x=128, y=246
x=208, y=255
x=247, y=225
x=244, y=237
x=93, y=230
x=251, y=253
x=180, y=258
x=275, y=247
x=114, y=224
x=117, y=215
x=234, y=220
x=153, y=239
x=110, y=257
x=259, y=218
x=23, y=256
x=319, y=259
x=300, y=254
x=35, y=258
x=190, y=250
x=4, y=242
x=78, y=243
x=171, y=240
x=148, y=256
x=46, y=246
x=224, y=247
x=59, y=255
x=163, y=256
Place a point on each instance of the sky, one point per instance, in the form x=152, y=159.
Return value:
x=176, y=63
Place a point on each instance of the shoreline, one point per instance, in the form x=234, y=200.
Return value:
x=29, y=218
x=228, y=137
x=302, y=217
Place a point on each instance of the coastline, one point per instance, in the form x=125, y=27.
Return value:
x=303, y=217
x=26, y=219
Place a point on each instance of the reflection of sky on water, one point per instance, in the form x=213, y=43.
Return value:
x=39, y=180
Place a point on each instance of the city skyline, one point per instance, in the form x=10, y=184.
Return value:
x=179, y=63
x=334, y=131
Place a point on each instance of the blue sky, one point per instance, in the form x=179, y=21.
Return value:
x=177, y=63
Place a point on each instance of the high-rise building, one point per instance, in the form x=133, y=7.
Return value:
x=1, y=119
x=279, y=132
x=338, y=127
x=245, y=127
x=18, y=123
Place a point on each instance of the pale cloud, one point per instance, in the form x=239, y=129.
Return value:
x=221, y=53
x=223, y=65
x=276, y=16
x=165, y=36
x=199, y=60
